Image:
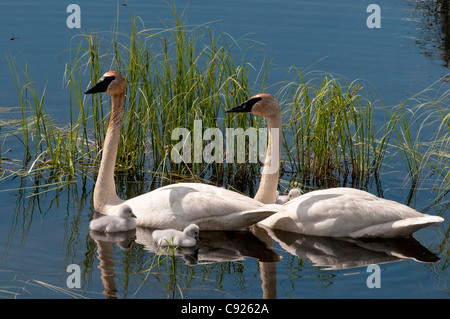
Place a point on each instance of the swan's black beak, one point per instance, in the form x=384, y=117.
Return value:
x=245, y=107
x=237, y=109
x=101, y=85
x=133, y=215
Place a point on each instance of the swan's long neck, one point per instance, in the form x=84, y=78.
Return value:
x=267, y=192
x=105, y=187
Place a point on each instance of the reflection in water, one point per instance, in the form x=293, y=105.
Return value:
x=226, y=246
x=434, y=20
x=344, y=253
x=105, y=255
x=213, y=246
x=217, y=246
x=259, y=244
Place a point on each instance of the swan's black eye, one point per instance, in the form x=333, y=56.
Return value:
x=101, y=85
x=249, y=103
x=246, y=106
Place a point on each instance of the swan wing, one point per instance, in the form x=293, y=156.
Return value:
x=210, y=207
x=399, y=228
x=346, y=212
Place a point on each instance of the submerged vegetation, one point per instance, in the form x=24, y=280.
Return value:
x=179, y=74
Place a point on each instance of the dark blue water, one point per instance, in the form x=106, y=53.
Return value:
x=41, y=235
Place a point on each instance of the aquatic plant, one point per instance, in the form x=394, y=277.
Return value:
x=330, y=134
x=180, y=74
x=422, y=138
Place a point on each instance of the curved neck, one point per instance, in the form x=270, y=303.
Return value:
x=105, y=187
x=267, y=191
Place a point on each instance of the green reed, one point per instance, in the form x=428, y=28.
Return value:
x=330, y=133
x=181, y=73
x=422, y=138
x=42, y=141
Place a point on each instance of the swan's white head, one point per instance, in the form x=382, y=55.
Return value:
x=111, y=82
x=263, y=104
x=192, y=231
x=125, y=211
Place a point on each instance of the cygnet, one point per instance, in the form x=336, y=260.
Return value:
x=293, y=193
x=171, y=237
x=123, y=222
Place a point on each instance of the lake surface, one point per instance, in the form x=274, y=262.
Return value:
x=40, y=236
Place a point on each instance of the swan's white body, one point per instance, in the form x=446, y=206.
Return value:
x=124, y=221
x=348, y=212
x=211, y=208
x=293, y=193
x=178, y=205
x=172, y=237
x=337, y=212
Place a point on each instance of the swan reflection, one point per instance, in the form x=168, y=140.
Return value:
x=343, y=253
x=215, y=246
x=105, y=242
x=260, y=244
x=123, y=239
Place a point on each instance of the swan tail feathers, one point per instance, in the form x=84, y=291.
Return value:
x=98, y=225
x=257, y=215
x=238, y=221
x=399, y=228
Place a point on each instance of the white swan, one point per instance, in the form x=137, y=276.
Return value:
x=172, y=237
x=125, y=221
x=179, y=205
x=293, y=193
x=338, y=212
x=348, y=212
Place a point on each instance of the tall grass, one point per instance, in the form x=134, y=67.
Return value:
x=44, y=144
x=422, y=138
x=331, y=136
x=175, y=76
x=179, y=74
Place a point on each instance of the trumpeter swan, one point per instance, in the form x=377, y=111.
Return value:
x=178, y=205
x=348, y=212
x=334, y=212
x=266, y=105
x=172, y=237
x=293, y=193
x=125, y=221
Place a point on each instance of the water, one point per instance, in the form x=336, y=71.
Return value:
x=41, y=235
